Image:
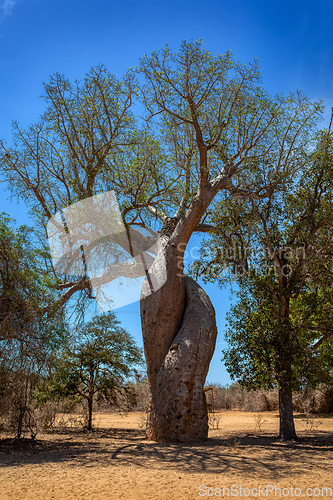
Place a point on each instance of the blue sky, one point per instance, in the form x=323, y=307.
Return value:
x=293, y=41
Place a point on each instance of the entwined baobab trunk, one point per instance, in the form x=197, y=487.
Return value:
x=179, y=334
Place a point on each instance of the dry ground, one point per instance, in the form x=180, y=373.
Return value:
x=116, y=462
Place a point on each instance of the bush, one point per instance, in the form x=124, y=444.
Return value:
x=17, y=408
x=324, y=400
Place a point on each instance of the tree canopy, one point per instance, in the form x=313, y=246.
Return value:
x=95, y=366
x=27, y=331
x=279, y=250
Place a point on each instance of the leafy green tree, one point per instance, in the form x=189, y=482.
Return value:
x=264, y=352
x=96, y=367
x=210, y=129
x=27, y=330
x=280, y=253
x=29, y=334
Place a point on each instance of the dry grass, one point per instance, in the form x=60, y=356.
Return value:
x=116, y=462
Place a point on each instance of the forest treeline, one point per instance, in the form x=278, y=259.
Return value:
x=235, y=397
x=21, y=411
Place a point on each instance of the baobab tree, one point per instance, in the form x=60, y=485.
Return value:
x=209, y=127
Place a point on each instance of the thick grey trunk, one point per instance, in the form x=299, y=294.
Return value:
x=161, y=311
x=179, y=333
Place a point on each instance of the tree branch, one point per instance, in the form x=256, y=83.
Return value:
x=320, y=341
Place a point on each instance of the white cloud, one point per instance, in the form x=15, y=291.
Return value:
x=6, y=8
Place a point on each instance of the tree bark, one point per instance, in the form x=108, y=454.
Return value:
x=286, y=413
x=284, y=375
x=20, y=418
x=90, y=410
x=179, y=334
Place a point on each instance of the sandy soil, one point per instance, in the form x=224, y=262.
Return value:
x=116, y=462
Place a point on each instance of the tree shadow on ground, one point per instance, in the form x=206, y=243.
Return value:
x=261, y=456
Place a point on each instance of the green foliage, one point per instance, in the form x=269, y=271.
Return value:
x=258, y=339
x=86, y=141
x=27, y=331
x=206, y=115
x=278, y=248
x=96, y=367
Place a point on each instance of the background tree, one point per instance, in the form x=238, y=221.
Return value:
x=96, y=367
x=262, y=353
x=209, y=127
x=28, y=334
x=26, y=293
x=282, y=252
x=17, y=398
